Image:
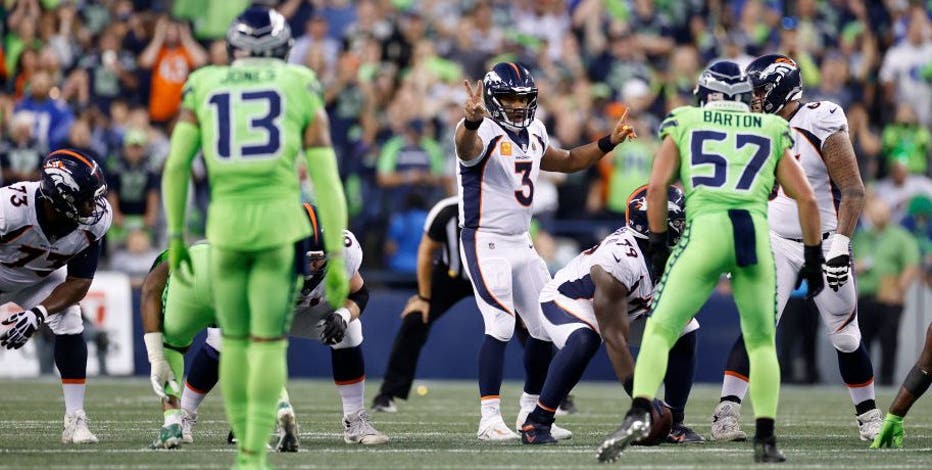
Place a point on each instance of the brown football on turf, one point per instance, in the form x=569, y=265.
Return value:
x=661, y=421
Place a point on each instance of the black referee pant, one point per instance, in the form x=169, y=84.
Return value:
x=402, y=364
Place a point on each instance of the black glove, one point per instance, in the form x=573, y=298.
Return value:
x=24, y=325
x=812, y=270
x=659, y=253
x=333, y=328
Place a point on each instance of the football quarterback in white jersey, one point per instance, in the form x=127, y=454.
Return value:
x=50, y=236
x=500, y=157
x=596, y=297
x=823, y=148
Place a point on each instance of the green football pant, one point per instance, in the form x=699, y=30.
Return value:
x=253, y=292
x=712, y=244
x=186, y=312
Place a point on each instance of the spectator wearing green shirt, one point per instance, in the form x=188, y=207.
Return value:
x=412, y=162
x=905, y=140
x=886, y=263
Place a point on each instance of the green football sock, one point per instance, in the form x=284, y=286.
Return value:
x=651, y=365
x=234, y=374
x=764, y=380
x=267, y=374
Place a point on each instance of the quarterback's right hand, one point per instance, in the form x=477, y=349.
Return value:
x=812, y=270
x=161, y=376
x=178, y=254
x=417, y=304
x=474, y=109
x=336, y=285
x=891, y=433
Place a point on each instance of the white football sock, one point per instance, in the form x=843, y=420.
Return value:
x=491, y=407
x=173, y=417
x=191, y=399
x=736, y=386
x=74, y=394
x=528, y=401
x=352, y=396
x=861, y=392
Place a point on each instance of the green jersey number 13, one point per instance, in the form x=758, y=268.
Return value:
x=719, y=163
x=266, y=123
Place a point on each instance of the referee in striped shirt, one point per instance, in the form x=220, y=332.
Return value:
x=441, y=283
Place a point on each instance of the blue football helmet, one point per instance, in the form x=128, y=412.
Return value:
x=74, y=185
x=776, y=80
x=723, y=81
x=259, y=32
x=636, y=213
x=509, y=78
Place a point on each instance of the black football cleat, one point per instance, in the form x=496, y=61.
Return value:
x=682, y=434
x=535, y=433
x=231, y=439
x=636, y=426
x=765, y=451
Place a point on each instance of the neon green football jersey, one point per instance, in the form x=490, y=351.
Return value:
x=728, y=158
x=252, y=117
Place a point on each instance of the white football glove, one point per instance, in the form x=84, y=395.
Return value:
x=24, y=326
x=160, y=372
x=838, y=262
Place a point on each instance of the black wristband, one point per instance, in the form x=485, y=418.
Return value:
x=605, y=144
x=39, y=315
x=425, y=299
x=813, y=254
x=472, y=125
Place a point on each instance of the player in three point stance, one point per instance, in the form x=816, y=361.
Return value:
x=916, y=383
x=595, y=297
x=727, y=160
x=174, y=312
x=251, y=119
x=499, y=160
x=50, y=232
x=823, y=149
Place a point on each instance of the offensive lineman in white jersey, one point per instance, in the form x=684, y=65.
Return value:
x=50, y=235
x=499, y=160
x=595, y=297
x=824, y=150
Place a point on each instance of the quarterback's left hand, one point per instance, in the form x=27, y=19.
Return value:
x=838, y=262
x=891, y=433
x=24, y=325
x=336, y=286
x=623, y=131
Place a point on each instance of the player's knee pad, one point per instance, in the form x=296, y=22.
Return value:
x=214, y=339
x=848, y=339
x=499, y=325
x=67, y=322
x=352, y=337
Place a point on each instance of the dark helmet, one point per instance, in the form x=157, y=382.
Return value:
x=723, y=81
x=777, y=81
x=636, y=212
x=510, y=78
x=74, y=185
x=259, y=32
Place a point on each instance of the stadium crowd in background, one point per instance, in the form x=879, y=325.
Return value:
x=106, y=76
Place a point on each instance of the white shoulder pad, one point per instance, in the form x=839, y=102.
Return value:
x=823, y=118
x=353, y=253
x=620, y=260
x=538, y=129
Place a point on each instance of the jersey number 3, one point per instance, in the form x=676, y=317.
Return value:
x=524, y=169
x=719, y=163
x=262, y=123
